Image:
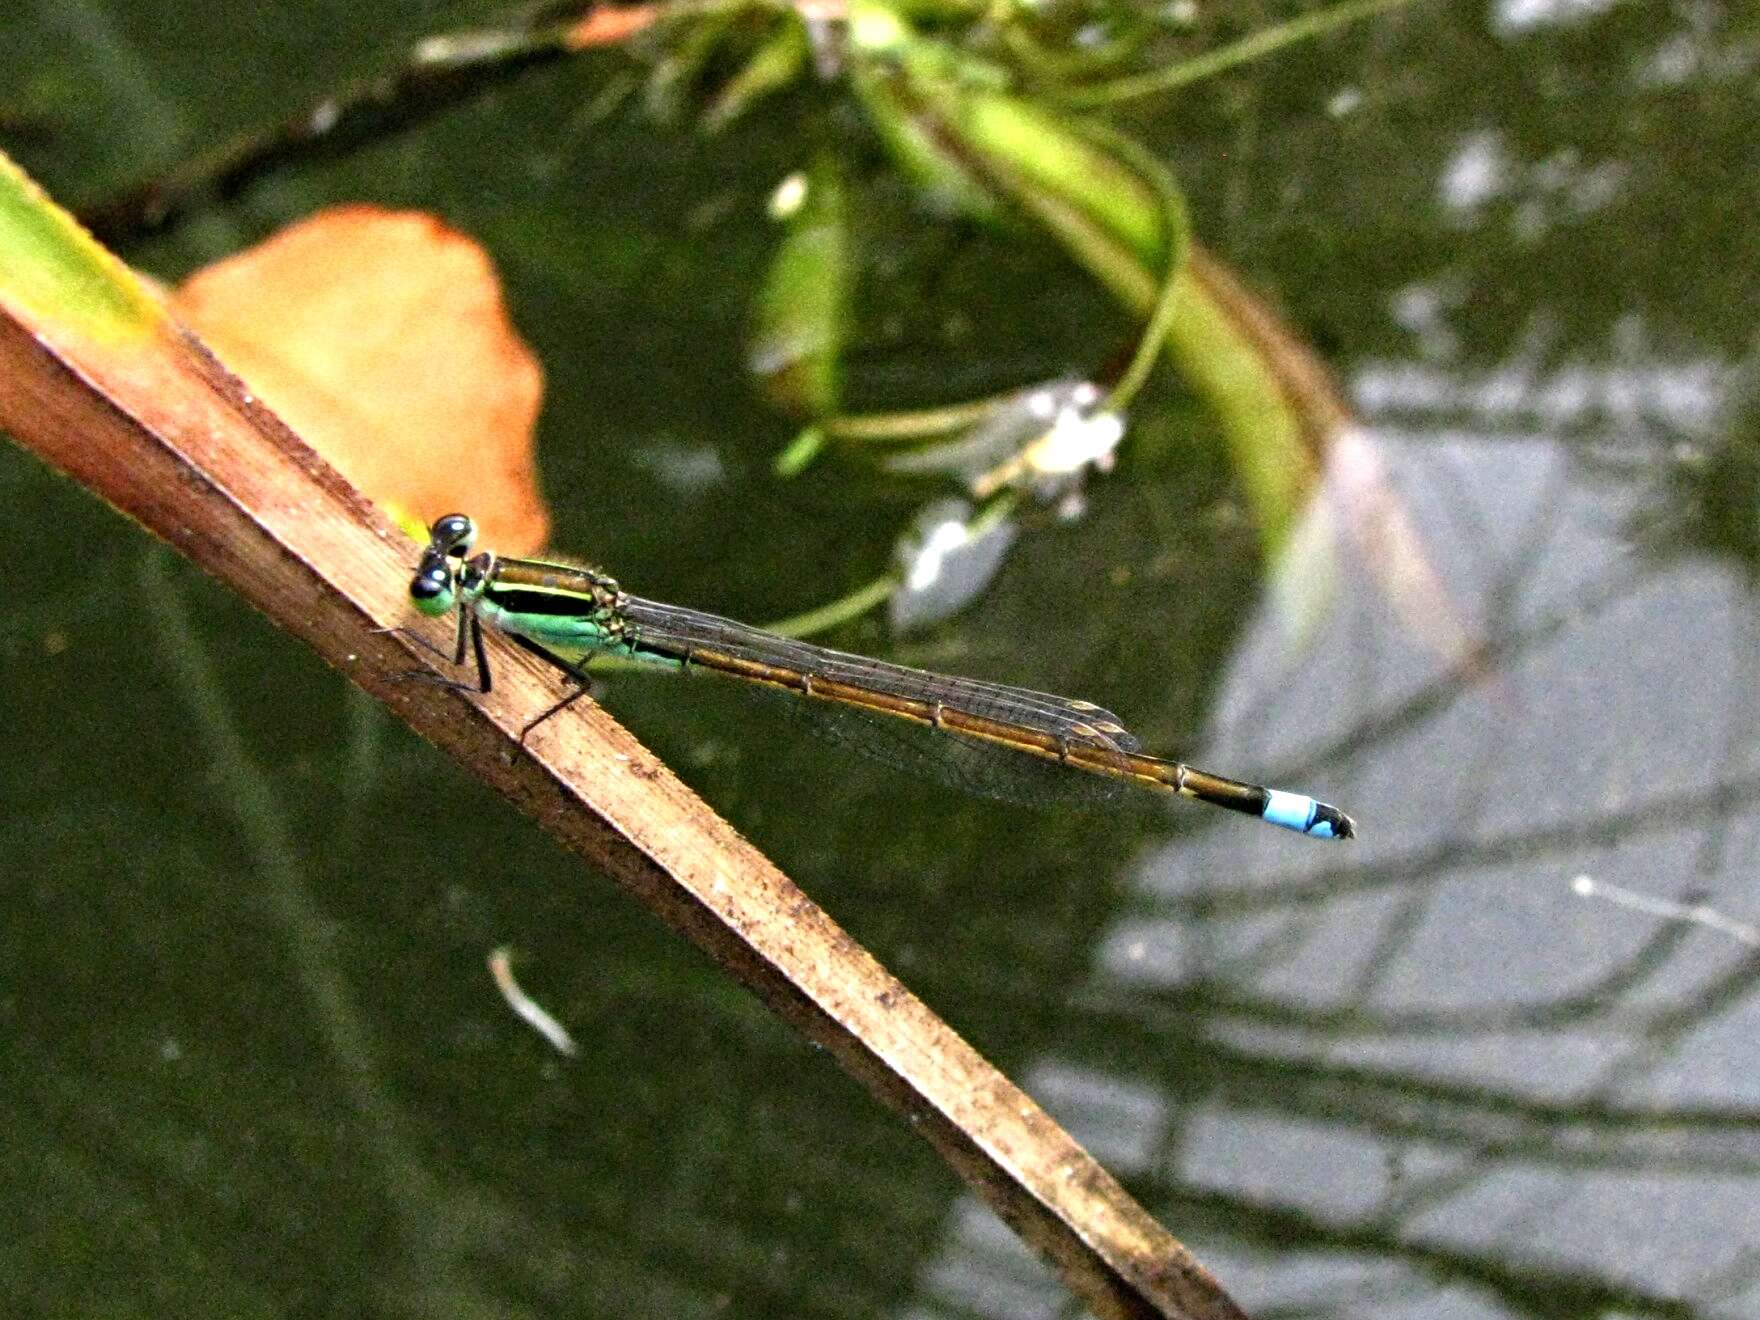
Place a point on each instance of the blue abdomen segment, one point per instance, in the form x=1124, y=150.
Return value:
x=1304, y=815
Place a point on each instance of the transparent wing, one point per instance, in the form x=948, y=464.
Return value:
x=692, y=635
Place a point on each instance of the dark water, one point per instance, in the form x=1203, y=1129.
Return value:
x=255, y=1064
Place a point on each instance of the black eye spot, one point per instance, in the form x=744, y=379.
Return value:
x=430, y=583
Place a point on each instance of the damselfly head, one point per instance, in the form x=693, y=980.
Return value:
x=434, y=588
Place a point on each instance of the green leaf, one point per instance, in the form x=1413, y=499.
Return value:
x=803, y=308
x=55, y=271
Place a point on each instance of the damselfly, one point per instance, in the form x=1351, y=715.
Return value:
x=568, y=615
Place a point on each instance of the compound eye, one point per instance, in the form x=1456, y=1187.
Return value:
x=431, y=589
x=452, y=534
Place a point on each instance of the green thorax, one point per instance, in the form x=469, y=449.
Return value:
x=568, y=610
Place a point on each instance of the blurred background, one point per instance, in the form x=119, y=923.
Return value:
x=1496, y=1058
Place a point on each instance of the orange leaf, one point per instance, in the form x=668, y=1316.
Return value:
x=610, y=26
x=382, y=338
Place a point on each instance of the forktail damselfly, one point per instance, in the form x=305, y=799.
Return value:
x=568, y=615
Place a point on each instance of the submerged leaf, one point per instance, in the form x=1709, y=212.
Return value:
x=1380, y=523
x=947, y=559
x=775, y=64
x=1234, y=361
x=803, y=310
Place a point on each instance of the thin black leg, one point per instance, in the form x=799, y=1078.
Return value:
x=468, y=624
x=458, y=640
x=483, y=678
x=558, y=708
x=410, y=634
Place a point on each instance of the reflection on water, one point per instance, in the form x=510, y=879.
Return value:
x=1449, y=1061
